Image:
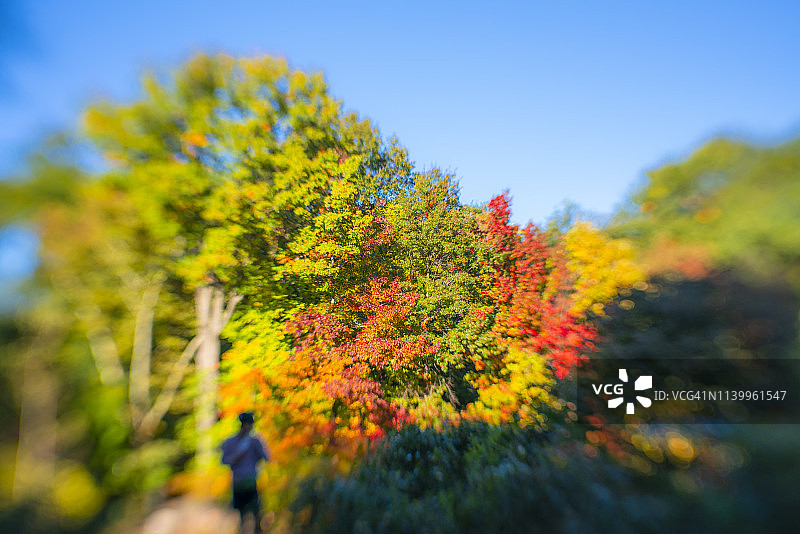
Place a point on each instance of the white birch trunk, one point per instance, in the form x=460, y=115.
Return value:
x=139, y=377
x=212, y=316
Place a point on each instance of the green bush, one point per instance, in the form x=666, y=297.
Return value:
x=481, y=478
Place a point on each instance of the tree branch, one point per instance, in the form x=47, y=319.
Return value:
x=232, y=302
x=164, y=400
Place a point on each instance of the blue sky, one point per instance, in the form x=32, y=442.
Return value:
x=551, y=100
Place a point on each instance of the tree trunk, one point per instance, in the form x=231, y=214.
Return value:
x=212, y=316
x=35, y=467
x=139, y=378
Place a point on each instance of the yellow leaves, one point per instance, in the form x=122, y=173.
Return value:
x=75, y=492
x=298, y=78
x=264, y=68
x=521, y=392
x=513, y=332
x=658, y=191
x=601, y=266
x=341, y=191
x=95, y=121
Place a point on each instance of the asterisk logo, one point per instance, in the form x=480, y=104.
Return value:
x=642, y=383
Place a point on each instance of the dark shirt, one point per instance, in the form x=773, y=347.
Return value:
x=244, y=468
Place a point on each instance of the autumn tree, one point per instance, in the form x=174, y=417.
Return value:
x=210, y=176
x=227, y=162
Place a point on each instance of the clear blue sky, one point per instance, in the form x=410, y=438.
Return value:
x=551, y=100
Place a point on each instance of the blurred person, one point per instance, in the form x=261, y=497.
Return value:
x=242, y=452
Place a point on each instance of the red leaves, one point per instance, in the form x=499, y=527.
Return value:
x=311, y=328
x=351, y=364
x=499, y=232
x=562, y=338
x=529, y=285
x=386, y=308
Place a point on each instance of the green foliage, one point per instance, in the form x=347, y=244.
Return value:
x=479, y=478
x=730, y=204
x=437, y=250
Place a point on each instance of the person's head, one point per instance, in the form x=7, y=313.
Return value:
x=246, y=418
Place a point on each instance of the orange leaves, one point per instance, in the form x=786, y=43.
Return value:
x=195, y=139
x=333, y=384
